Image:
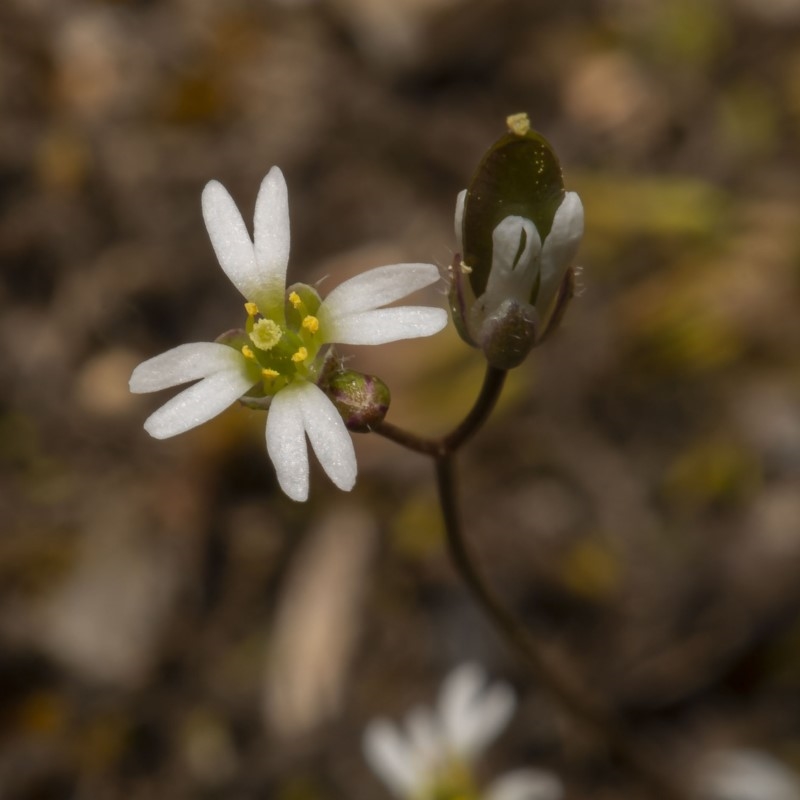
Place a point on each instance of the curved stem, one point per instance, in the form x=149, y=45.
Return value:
x=550, y=670
x=493, y=382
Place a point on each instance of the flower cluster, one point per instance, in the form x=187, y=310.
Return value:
x=279, y=358
x=433, y=758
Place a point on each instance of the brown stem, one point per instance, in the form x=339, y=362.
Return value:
x=549, y=669
x=493, y=382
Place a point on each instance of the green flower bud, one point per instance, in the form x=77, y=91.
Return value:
x=519, y=232
x=362, y=400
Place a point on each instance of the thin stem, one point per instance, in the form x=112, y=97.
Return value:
x=493, y=382
x=549, y=670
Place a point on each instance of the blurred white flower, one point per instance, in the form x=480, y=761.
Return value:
x=432, y=758
x=745, y=775
x=278, y=358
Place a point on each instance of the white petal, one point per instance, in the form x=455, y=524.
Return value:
x=746, y=775
x=561, y=244
x=198, y=403
x=506, y=240
x=391, y=758
x=457, y=695
x=526, y=784
x=286, y=444
x=490, y=716
x=512, y=276
x=185, y=363
x=230, y=239
x=302, y=408
x=459, y=220
x=377, y=287
x=386, y=325
x=328, y=435
x=426, y=737
x=473, y=716
x=272, y=239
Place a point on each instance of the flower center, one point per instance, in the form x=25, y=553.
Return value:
x=453, y=781
x=284, y=351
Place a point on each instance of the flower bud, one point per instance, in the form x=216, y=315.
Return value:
x=362, y=400
x=519, y=232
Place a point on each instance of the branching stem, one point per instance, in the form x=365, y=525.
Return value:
x=549, y=669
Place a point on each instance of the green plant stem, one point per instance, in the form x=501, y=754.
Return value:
x=549, y=669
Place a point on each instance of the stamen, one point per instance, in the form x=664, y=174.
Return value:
x=251, y=309
x=270, y=373
x=295, y=300
x=300, y=355
x=310, y=323
x=518, y=124
x=247, y=352
x=266, y=334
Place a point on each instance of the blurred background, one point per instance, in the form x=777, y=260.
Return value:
x=170, y=624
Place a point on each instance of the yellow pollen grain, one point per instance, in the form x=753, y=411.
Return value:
x=518, y=124
x=295, y=300
x=247, y=352
x=311, y=324
x=251, y=309
x=300, y=355
x=270, y=373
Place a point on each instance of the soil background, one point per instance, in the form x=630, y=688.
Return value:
x=170, y=624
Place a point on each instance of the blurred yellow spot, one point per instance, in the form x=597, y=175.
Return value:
x=300, y=355
x=43, y=713
x=417, y=529
x=591, y=569
x=270, y=373
x=712, y=473
x=251, y=309
x=295, y=300
x=247, y=352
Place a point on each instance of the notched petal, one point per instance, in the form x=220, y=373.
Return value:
x=184, y=363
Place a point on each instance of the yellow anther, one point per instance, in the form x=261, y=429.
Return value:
x=295, y=300
x=251, y=309
x=518, y=124
x=311, y=324
x=270, y=373
x=247, y=352
x=300, y=355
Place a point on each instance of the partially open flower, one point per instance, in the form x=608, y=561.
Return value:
x=518, y=232
x=277, y=359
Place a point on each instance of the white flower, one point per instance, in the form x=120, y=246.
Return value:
x=433, y=757
x=527, y=271
x=745, y=775
x=280, y=354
